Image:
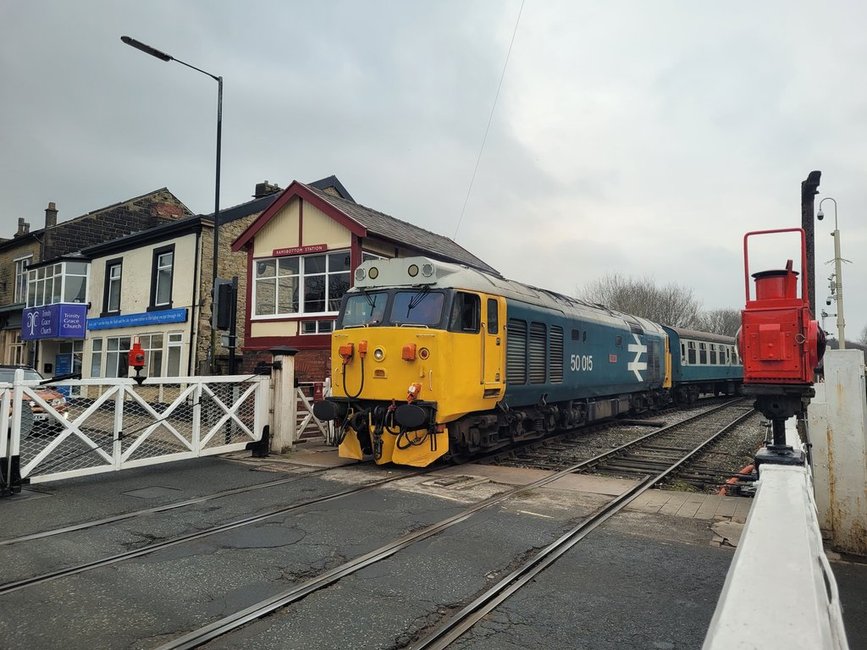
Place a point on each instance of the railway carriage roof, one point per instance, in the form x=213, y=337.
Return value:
x=700, y=336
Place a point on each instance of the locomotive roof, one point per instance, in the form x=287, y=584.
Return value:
x=395, y=272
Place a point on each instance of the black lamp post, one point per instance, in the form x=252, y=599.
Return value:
x=147, y=49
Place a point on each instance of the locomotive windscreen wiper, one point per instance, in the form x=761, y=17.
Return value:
x=415, y=301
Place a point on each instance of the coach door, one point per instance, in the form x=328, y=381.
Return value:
x=493, y=347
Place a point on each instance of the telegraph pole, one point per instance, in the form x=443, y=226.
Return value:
x=809, y=189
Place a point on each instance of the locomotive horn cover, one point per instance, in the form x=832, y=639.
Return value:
x=411, y=417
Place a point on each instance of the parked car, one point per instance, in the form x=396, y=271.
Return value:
x=54, y=398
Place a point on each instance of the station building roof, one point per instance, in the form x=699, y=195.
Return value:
x=365, y=222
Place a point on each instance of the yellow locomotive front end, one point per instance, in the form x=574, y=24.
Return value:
x=408, y=358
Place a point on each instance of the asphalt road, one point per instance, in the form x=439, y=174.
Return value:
x=641, y=581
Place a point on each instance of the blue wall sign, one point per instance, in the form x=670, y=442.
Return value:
x=137, y=320
x=53, y=322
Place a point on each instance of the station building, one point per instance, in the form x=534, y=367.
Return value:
x=301, y=256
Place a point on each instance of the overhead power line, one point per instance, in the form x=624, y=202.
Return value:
x=490, y=119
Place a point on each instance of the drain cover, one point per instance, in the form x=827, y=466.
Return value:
x=152, y=492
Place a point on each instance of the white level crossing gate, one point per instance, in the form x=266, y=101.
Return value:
x=105, y=427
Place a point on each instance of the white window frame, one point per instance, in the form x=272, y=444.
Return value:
x=111, y=282
x=174, y=343
x=19, y=293
x=301, y=280
x=159, y=266
x=47, y=285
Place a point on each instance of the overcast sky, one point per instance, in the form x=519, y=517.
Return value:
x=638, y=137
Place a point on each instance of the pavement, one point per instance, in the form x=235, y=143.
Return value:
x=649, y=578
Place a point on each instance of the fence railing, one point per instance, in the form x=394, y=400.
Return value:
x=106, y=426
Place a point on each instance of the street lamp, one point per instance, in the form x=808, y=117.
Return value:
x=838, y=272
x=147, y=49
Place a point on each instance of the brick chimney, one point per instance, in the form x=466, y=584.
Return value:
x=50, y=215
x=264, y=189
x=23, y=227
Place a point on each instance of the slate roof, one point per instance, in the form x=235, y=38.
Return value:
x=114, y=221
x=401, y=232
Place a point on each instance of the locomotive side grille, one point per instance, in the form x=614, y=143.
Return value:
x=555, y=361
x=516, y=352
x=537, y=353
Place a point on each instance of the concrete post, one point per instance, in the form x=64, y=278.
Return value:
x=837, y=419
x=285, y=417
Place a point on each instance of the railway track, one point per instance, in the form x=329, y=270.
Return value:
x=297, y=592
x=638, y=455
x=478, y=608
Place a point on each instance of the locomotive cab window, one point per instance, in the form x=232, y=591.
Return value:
x=466, y=312
x=422, y=307
x=367, y=308
x=493, y=317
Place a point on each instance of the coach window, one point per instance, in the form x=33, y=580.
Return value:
x=713, y=354
x=466, y=310
x=690, y=347
x=493, y=317
x=702, y=354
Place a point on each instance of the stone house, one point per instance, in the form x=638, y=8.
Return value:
x=42, y=280
x=155, y=287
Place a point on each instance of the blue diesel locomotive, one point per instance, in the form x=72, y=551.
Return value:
x=431, y=358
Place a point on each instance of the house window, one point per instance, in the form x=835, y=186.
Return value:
x=161, y=277
x=117, y=356
x=317, y=327
x=365, y=256
x=74, y=281
x=173, y=366
x=310, y=284
x=152, y=345
x=111, y=297
x=64, y=282
x=96, y=358
x=21, y=278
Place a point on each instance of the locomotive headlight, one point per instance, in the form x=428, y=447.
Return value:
x=427, y=270
x=412, y=270
x=373, y=273
x=379, y=354
x=359, y=275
